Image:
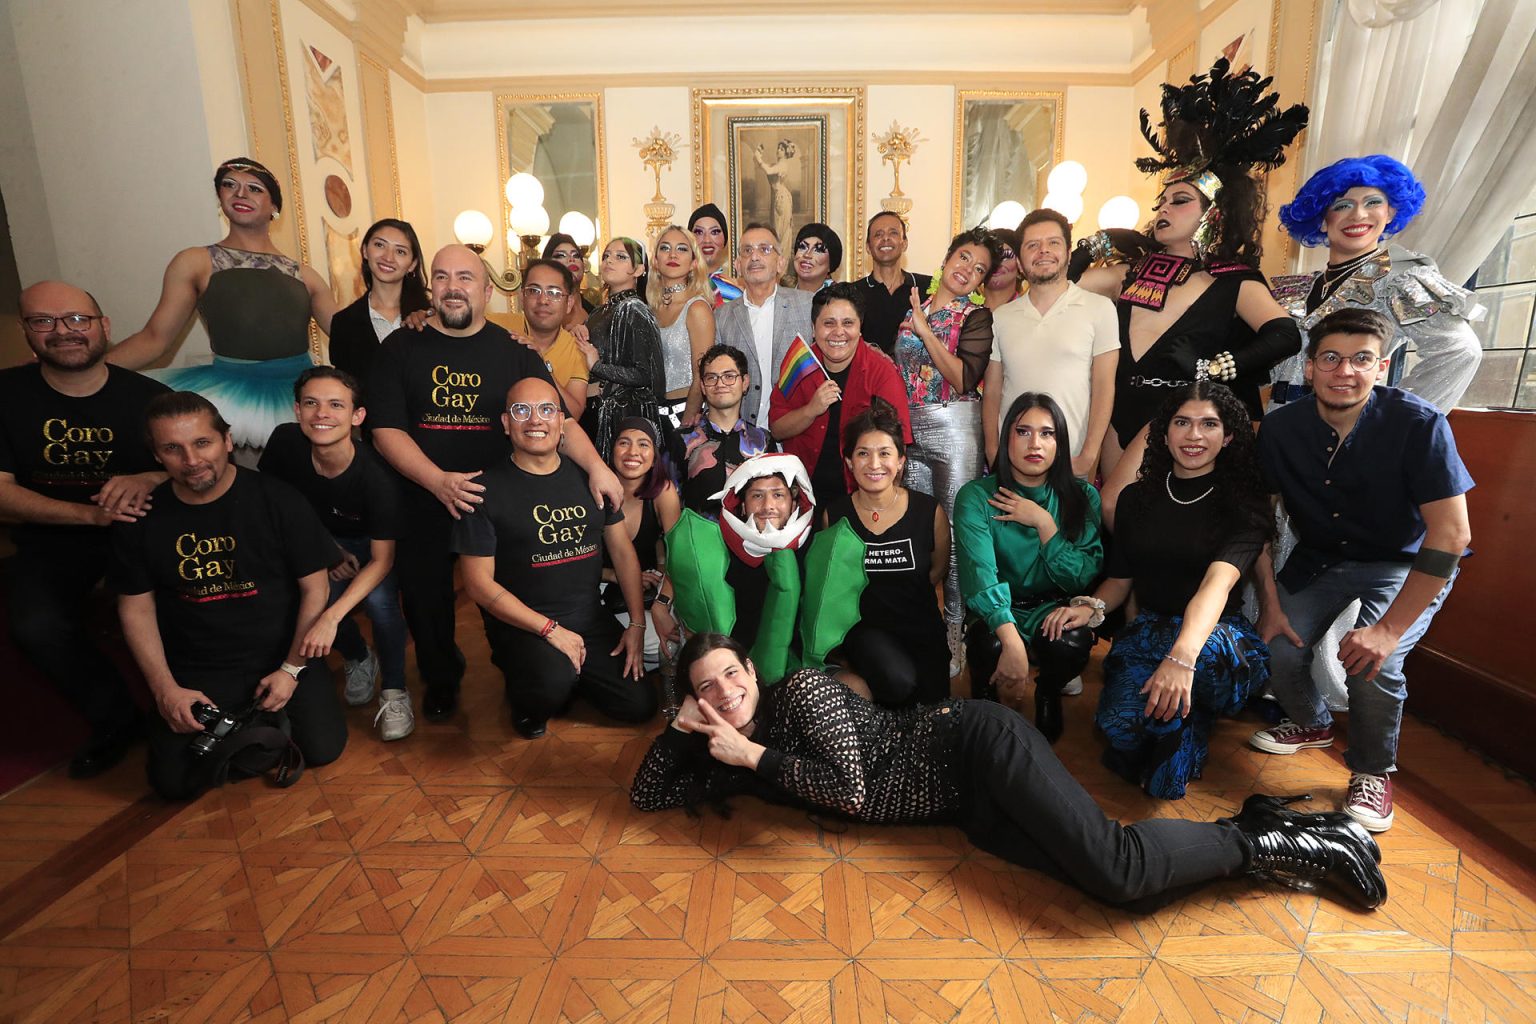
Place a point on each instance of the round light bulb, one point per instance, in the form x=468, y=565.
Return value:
x=1069, y=206
x=1067, y=178
x=523, y=189
x=1119, y=212
x=529, y=220
x=579, y=226
x=471, y=227
x=1006, y=214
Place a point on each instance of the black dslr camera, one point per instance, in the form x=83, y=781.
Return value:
x=217, y=726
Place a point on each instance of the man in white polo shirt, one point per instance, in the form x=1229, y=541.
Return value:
x=1058, y=339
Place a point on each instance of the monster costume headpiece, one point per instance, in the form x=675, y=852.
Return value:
x=742, y=536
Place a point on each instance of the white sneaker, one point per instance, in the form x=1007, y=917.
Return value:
x=1073, y=688
x=395, y=719
x=361, y=675
x=956, y=637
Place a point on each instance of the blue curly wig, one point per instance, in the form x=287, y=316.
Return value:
x=1303, y=216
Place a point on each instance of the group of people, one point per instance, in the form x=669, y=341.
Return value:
x=760, y=473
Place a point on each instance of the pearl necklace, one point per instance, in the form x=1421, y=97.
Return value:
x=1168, y=485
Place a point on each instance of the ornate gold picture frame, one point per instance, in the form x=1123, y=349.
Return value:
x=546, y=135
x=785, y=157
x=1005, y=145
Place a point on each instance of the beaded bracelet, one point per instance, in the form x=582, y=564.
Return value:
x=1182, y=664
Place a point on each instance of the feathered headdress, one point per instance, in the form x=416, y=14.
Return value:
x=1219, y=122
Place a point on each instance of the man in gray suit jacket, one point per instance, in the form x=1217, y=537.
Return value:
x=765, y=319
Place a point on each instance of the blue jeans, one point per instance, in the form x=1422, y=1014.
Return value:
x=1375, y=707
x=382, y=606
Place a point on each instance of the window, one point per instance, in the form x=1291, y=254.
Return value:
x=1506, y=284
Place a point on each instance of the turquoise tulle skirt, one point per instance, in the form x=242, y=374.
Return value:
x=254, y=395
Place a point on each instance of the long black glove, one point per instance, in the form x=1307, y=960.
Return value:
x=1274, y=342
x=1121, y=242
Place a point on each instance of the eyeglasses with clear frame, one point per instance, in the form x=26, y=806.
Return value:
x=534, y=291
x=522, y=412
x=761, y=249
x=1362, y=360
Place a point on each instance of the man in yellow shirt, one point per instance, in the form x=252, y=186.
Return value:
x=546, y=294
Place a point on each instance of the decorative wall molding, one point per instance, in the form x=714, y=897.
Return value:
x=438, y=11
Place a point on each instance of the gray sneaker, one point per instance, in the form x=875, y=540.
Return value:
x=395, y=719
x=361, y=675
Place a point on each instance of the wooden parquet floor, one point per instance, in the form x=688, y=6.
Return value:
x=467, y=875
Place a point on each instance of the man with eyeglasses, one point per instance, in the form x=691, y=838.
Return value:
x=436, y=398
x=722, y=439
x=533, y=561
x=72, y=461
x=548, y=295
x=888, y=288
x=766, y=318
x=1376, y=493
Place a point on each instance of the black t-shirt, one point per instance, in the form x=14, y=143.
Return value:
x=546, y=533
x=827, y=478
x=900, y=594
x=66, y=448
x=885, y=310
x=225, y=574
x=449, y=393
x=1167, y=547
x=363, y=501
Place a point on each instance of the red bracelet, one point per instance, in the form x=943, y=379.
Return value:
x=550, y=626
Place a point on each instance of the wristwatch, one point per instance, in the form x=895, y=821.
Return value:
x=292, y=669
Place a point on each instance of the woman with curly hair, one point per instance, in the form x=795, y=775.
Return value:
x=942, y=351
x=1353, y=206
x=1193, y=523
x=1192, y=303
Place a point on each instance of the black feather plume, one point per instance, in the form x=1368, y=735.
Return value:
x=1221, y=120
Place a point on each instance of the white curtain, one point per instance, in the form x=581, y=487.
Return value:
x=1449, y=88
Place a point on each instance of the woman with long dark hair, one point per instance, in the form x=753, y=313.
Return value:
x=624, y=352
x=897, y=649
x=397, y=287
x=651, y=508
x=1028, y=537
x=1191, y=525
x=810, y=741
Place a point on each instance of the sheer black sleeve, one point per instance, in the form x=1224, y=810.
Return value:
x=812, y=715
x=975, y=346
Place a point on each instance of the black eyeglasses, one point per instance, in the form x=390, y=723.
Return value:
x=43, y=324
x=728, y=377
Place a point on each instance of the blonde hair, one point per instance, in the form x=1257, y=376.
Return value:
x=695, y=284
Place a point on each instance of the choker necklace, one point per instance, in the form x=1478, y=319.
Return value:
x=874, y=513
x=1168, y=484
x=1333, y=272
x=670, y=290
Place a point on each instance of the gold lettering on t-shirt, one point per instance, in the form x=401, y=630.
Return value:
x=560, y=525
x=62, y=444
x=449, y=389
x=198, y=561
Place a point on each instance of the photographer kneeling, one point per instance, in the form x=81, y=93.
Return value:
x=219, y=583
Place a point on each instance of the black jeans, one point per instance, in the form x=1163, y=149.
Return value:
x=424, y=569
x=50, y=591
x=541, y=682
x=1059, y=660
x=1025, y=807
x=318, y=729
x=900, y=668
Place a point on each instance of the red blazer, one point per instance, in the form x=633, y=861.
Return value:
x=871, y=373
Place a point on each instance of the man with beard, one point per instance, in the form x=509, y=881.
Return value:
x=219, y=583
x=72, y=461
x=436, y=400
x=888, y=288
x=1376, y=492
x=1058, y=340
x=766, y=318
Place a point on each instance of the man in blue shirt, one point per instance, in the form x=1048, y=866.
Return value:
x=1376, y=493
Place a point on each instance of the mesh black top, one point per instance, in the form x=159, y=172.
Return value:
x=826, y=747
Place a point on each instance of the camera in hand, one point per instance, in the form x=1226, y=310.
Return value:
x=217, y=725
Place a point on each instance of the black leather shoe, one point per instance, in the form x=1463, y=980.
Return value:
x=101, y=753
x=529, y=728
x=439, y=703
x=1299, y=850
x=1048, y=710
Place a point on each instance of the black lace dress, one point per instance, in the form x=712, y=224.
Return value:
x=975, y=764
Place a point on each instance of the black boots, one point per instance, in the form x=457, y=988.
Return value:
x=1048, y=708
x=1299, y=850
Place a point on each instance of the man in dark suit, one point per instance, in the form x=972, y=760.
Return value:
x=765, y=319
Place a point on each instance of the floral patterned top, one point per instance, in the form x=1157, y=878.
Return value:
x=966, y=330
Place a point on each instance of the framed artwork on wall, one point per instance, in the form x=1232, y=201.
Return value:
x=1005, y=145
x=784, y=157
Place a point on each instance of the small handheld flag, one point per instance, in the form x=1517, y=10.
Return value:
x=725, y=291
x=799, y=360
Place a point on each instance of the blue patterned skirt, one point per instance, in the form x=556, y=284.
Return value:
x=254, y=395
x=1163, y=757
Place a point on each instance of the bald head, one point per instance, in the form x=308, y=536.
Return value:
x=46, y=309
x=532, y=390
x=460, y=290
x=533, y=419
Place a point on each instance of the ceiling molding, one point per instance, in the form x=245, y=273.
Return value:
x=439, y=11
x=695, y=79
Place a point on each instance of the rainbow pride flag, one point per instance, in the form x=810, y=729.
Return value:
x=724, y=290
x=798, y=362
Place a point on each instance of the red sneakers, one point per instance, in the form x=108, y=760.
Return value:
x=1288, y=737
x=1370, y=801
